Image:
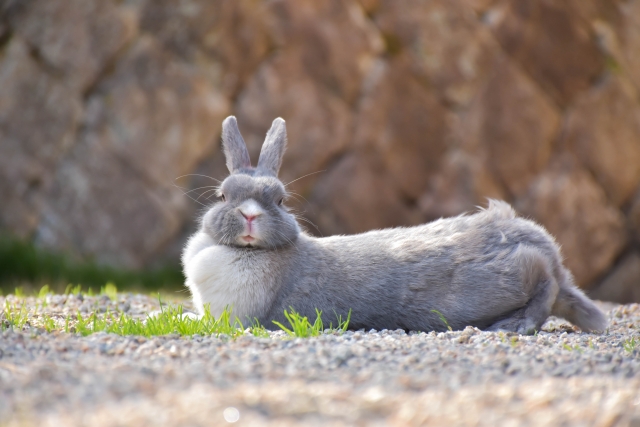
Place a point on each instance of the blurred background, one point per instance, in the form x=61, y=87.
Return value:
x=407, y=110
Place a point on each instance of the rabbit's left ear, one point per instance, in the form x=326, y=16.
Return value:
x=273, y=148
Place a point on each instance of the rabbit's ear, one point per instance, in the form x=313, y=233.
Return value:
x=273, y=147
x=235, y=149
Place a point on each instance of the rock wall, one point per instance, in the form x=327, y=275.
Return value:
x=404, y=110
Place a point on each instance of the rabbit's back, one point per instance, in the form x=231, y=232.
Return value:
x=471, y=268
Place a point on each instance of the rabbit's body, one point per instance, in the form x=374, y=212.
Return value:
x=491, y=269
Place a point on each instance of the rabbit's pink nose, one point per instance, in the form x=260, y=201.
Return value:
x=248, y=217
x=250, y=210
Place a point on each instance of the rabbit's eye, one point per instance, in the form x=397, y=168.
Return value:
x=223, y=198
x=280, y=202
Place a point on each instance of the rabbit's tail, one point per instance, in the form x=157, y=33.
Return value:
x=572, y=304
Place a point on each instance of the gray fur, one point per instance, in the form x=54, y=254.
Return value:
x=235, y=149
x=491, y=269
x=273, y=148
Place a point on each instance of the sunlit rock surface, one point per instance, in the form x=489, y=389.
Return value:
x=404, y=111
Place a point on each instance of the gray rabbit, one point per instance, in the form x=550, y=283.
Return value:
x=490, y=269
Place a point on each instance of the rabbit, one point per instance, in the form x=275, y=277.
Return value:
x=491, y=269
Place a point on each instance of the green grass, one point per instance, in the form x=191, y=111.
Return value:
x=170, y=320
x=301, y=327
x=23, y=263
x=630, y=344
x=576, y=347
x=14, y=316
x=444, y=320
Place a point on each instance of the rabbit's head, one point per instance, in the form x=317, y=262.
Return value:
x=250, y=211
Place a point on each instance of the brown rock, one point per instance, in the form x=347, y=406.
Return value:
x=622, y=285
x=403, y=123
x=629, y=34
x=310, y=88
x=36, y=112
x=151, y=121
x=99, y=207
x=634, y=217
x=481, y=6
x=512, y=125
x=76, y=38
x=227, y=39
x=356, y=196
x=603, y=129
x=318, y=123
x=571, y=205
x=593, y=11
x=617, y=27
x=369, y=6
x=445, y=42
x=333, y=40
x=159, y=115
x=462, y=183
x=20, y=183
x=4, y=29
x=419, y=116
x=38, y=119
x=552, y=44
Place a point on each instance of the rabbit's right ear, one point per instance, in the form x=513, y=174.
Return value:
x=235, y=149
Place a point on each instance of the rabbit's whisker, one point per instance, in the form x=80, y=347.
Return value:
x=286, y=238
x=300, y=217
x=280, y=221
x=294, y=197
x=300, y=195
x=304, y=176
x=208, y=191
x=200, y=188
x=190, y=196
x=196, y=174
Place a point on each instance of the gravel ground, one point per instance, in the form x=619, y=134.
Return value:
x=559, y=377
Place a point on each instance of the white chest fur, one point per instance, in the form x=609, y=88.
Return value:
x=221, y=276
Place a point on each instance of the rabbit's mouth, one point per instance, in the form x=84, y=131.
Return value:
x=249, y=239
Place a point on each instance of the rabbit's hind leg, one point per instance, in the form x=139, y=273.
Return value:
x=529, y=319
